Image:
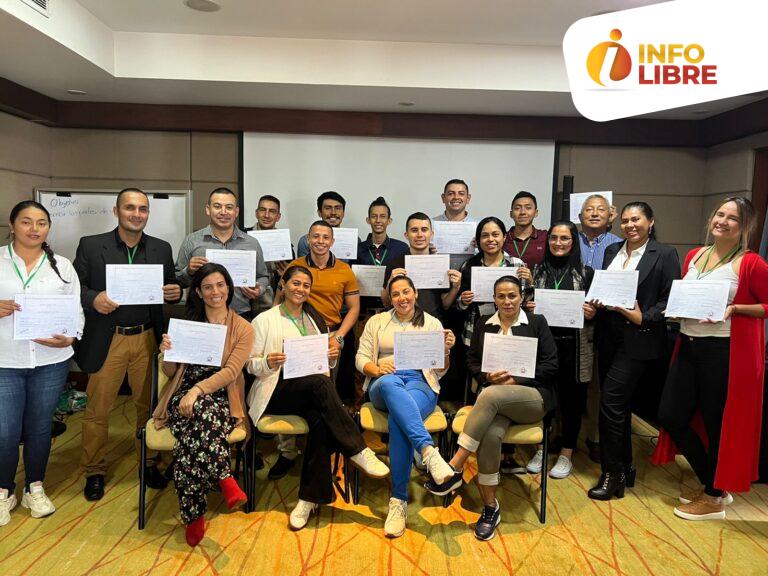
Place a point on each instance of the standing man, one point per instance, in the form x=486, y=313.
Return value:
x=330, y=208
x=119, y=339
x=223, y=234
x=523, y=240
x=455, y=198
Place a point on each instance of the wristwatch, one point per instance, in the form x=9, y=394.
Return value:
x=340, y=340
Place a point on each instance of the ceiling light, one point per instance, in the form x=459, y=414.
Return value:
x=202, y=5
x=406, y=103
x=77, y=92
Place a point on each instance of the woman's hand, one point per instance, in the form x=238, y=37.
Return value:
x=187, y=404
x=333, y=351
x=454, y=277
x=467, y=297
x=502, y=378
x=589, y=310
x=450, y=340
x=57, y=341
x=165, y=344
x=398, y=272
x=597, y=304
x=8, y=307
x=634, y=315
x=275, y=360
x=730, y=310
x=386, y=367
x=524, y=273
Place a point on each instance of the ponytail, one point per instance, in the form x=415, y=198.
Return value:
x=52, y=260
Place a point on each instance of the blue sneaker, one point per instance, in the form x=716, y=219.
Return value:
x=485, y=529
x=453, y=483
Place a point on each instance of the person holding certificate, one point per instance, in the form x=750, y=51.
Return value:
x=331, y=207
x=562, y=269
x=717, y=372
x=33, y=373
x=523, y=239
x=629, y=341
x=456, y=198
x=409, y=396
x=312, y=397
x=503, y=399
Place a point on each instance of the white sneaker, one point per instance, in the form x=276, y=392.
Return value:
x=7, y=503
x=394, y=525
x=438, y=468
x=300, y=515
x=562, y=468
x=369, y=463
x=38, y=503
x=418, y=461
x=534, y=464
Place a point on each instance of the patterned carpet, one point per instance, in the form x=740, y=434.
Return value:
x=633, y=536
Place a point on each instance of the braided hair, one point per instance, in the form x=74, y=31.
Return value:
x=46, y=248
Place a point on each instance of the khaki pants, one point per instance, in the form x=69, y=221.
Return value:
x=131, y=354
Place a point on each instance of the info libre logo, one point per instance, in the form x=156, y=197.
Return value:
x=610, y=62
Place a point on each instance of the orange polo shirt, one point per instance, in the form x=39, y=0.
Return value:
x=329, y=286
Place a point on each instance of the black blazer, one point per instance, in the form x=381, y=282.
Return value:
x=93, y=254
x=657, y=268
x=546, y=354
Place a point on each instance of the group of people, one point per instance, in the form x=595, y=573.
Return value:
x=712, y=395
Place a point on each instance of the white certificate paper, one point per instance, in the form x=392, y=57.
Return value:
x=614, y=288
x=429, y=270
x=483, y=278
x=577, y=200
x=196, y=342
x=514, y=354
x=241, y=264
x=135, y=283
x=420, y=350
x=370, y=279
x=43, y=315
x=275, y=244
x=345, y=243
x=454, y=237
x=562, y=308
x=305, y=355
x=698, y=299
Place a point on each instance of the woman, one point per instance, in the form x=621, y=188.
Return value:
x=409, y=396
x=503, y=399
x=629, y=340
x=562, y=270
x=718, y=369
x=33, y=373
x=203, y=404
x=311, y=397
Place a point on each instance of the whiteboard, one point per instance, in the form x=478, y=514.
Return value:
x=78, y=213
x=408, y=173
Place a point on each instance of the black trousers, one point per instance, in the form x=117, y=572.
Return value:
x=571, y=394
x=345, y=375
x=331, y=429
x=698, y=380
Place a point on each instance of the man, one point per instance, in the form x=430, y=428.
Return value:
x=330, y=208
x=378, y=249
x=523, y=240
x=223, y=234
x=455, y=198
x=119, y=339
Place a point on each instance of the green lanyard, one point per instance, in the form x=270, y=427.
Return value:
x=18, y=272
x=525, y=247
x=379, y=262
x=302, y=329
x=702, y=274
x=131, y=254
x=558, y=282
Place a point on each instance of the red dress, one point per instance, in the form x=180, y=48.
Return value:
x=737, y=464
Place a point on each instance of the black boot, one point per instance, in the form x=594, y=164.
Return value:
x=630, y=472
x=610, y=484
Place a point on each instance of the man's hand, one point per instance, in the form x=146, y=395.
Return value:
x=195, y=263
x=171, y=292
x=251, y=293
x=502, y=378
x=103, y=305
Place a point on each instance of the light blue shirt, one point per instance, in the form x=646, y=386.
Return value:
x=592, y=255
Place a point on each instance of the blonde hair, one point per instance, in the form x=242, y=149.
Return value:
x=747, y=219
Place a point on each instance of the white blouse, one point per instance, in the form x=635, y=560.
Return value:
x=632, y=260
x=722, y=329
x=26, y=353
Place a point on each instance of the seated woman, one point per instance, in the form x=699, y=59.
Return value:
x=313, y=397
x=202, y=404
x=408, y=395
x=503, y=399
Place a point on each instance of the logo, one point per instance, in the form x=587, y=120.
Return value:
x=612, y=53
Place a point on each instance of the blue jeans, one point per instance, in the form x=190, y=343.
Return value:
x=28, y=398
x=409, y=400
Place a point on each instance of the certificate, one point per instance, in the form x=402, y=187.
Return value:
x=454, y=237
x=513, y=354
x=306, y=355
x=196, y=342
x=420, y=350
x=483, y=278
x=577, y=200
x=698, y=299
x=428, y=271
x=563, y=308
x=370, y=279
x=345, y=243
x=275, y=244
x=614, y=288
x=135, y=283
x=241, y=264
x=43, y=315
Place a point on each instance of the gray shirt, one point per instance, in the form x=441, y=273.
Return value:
x=196, y=243
x=457, y=259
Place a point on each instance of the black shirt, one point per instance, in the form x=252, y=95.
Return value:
x=429, y=298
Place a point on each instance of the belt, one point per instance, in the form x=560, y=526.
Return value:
x=132, y=330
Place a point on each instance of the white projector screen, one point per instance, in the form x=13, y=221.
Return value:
x=409, y=174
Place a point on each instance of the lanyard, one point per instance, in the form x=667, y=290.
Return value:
x=302, y=329
x=727, y=258
x=18, y=272
x=131, y=254
x=525, y=247
x=558, y=282
x=380, y=261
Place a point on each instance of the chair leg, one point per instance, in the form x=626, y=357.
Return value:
x=250, y=474
x=544, y=476
x=142, y=478
x=238, y=459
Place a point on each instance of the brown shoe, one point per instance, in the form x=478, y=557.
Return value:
x=693, y=495
x=705, y=508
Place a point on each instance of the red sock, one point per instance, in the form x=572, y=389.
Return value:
x=195, y=531
x=233, y=495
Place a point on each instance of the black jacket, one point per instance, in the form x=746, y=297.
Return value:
x=93, y=254
x=657, y=268
x=546, y=355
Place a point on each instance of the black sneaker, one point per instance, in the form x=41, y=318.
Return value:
x=485, y=529
x=280, y=468
x=453, y=483
x=510, y=465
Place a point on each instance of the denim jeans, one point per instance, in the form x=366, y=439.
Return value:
x=28, y=398
x=407, y=397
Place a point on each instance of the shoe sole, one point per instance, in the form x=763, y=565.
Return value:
x=455, y=486
x=37, y=514
x=558, y=475
x=727, y=499
x=393, y=536
x=493, y=534
x=532, y=471
x=237, y=504
x=520, y=470
x=710, y=516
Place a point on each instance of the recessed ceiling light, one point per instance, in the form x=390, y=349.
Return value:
x=77, y=92
x=406, y=103
x=202, y=5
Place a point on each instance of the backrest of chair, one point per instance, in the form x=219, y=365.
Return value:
x=162, y=379
x=159, y=380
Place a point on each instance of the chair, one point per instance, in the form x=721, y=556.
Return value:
x=163, y=440
x=373, y=420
